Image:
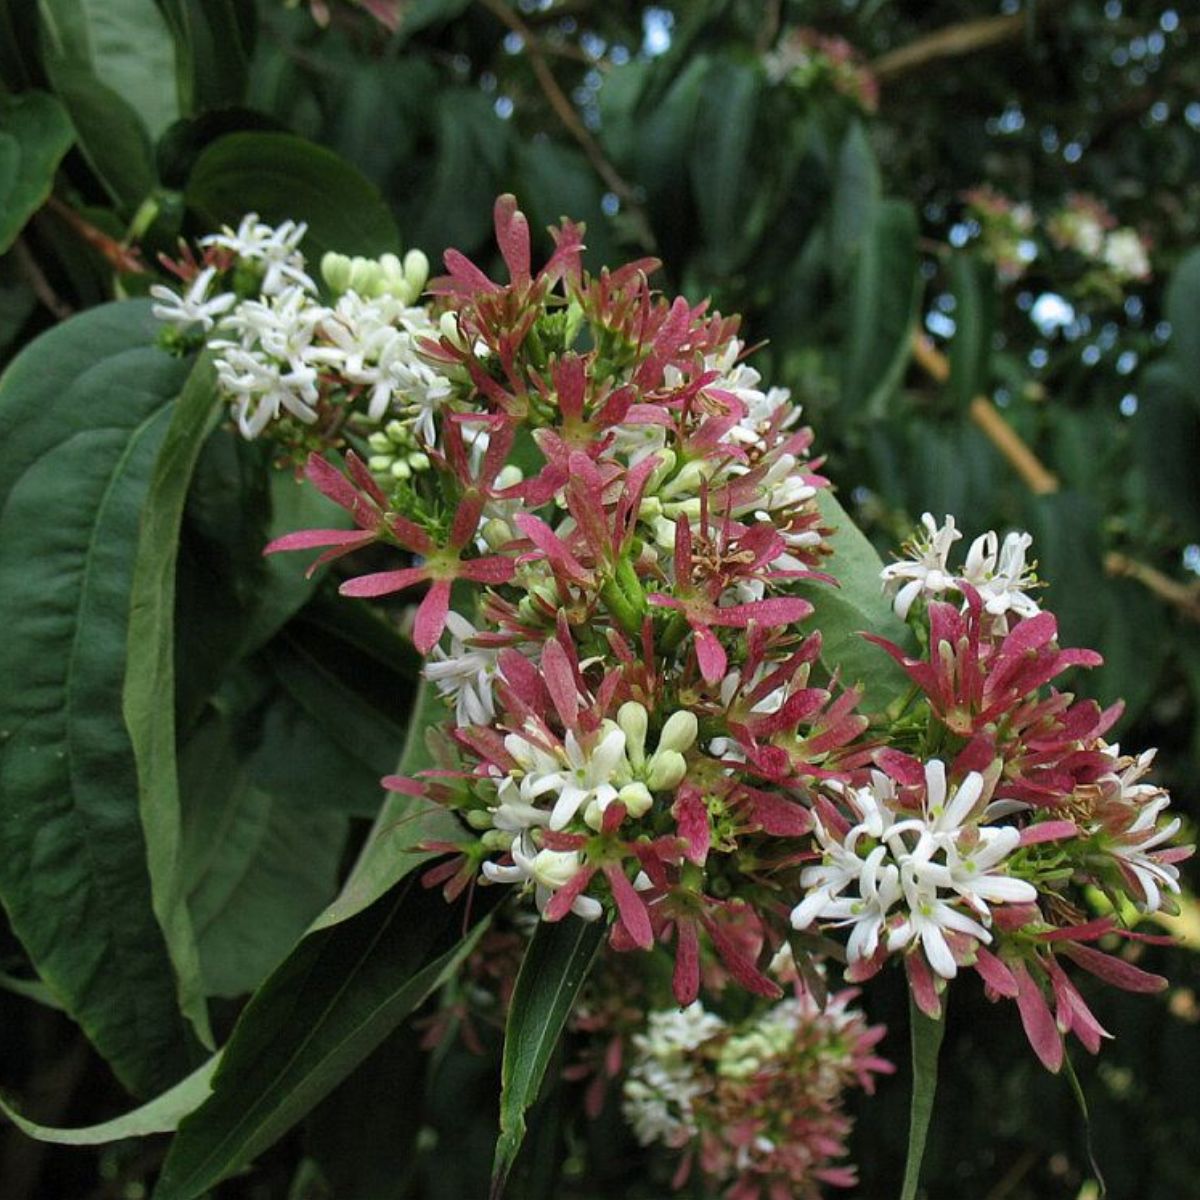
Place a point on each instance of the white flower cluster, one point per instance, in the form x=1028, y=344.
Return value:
x=898, y=879
x=663, y=1082
x=278, y=351
x=996, y=570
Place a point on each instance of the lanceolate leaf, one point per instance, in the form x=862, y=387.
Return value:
x=926, y=1042
x=856, y=606
x=149, y=696
x=160, y=1115
x=34, y=135
x=552, y=973
x=334, y=999
x=85, y=410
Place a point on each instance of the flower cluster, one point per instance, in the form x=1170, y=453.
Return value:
x=1112, y=256
x=807, y=60
x=757, y=1106
x=616, y=534
x=285, y=358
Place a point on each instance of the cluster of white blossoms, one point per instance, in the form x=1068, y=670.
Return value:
x=997, y=570
x=279, y=350
x=898, y=878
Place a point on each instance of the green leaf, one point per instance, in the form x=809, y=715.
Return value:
x=160, y=1115
x=856, y=198
x=35, y=133
x=334, y=999
x=881, y=309
x=86, y=408
x=974, y=292
x=149, y=695
x=856, y=606
x=552, y=973
x=1166, y=432
x=281, y=176
x=257, y=868
x=1183, y=311
x=926, y=1042
x=112, y=63
x=723, y=138
x=402, y=824
x=213, y=44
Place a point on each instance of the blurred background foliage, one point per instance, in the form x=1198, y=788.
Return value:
x=820, y=166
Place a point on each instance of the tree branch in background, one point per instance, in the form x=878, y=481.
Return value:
x=565, y=111
x=1185, y=597
x=988, y=417
x=42, y=288
x=955, y=41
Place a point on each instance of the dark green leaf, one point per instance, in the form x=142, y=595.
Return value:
x=1183, y=311
x=160, y=1115
x=856, y=606
x=112, y=63
x=552, y=973
x=213, y=40
x=35, y=133
x=149, y=695
x=280, y=176
x=723, y=138
x=881, y=310
x=402, y=824
x=974, y=293
x=334, y=999
x=856, y=199
x=86, y=409
x=256, y=868
x=1166, y=434
x=926, y=1042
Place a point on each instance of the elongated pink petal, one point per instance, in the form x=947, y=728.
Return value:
x=560, y=903
x=549, y=543
x=494, y=569
x=777, y=610
x=560, y=682
x=330, y=482
x=994, y=973
x=308, y=539
x=384, y=583
x=709, y=653
x=512, y=236
x=922, y=985
x=685, y=981
x=691, y=819
x=1113, y=970
x=1048, y=831
x=738, y=965
x=431, y=616
x=779, y=816
x=1037, y=1019
x=630, y=906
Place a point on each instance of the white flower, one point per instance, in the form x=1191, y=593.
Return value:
x=276, y=249
x=925, y=570
x=547, y=870
x=465, y=673
x=1125, y=255
x=192, y=306
x=928, y=868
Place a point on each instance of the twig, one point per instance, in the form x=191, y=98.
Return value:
x=987, y=416
x=954, y=41
x=1006, y=439
x=1182, y=596
x=1013, y=1176
x=570, y=119
x=118, y=255
x=42, y=288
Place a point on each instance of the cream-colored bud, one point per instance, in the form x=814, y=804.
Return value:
x=364, y=275
x=666, y=464
x=479, y=818
x=416, y=271
x=667, y=769
x=636, y=798
x=401, y=470
x=679, y=733
x=495, y=533
x=509, y=476
x=497, y=839
x=380, y=442
x=632, y=718
x=380, y=464
x=554, y=868
x=335, y=268
x=448, y=326
x=650, y=508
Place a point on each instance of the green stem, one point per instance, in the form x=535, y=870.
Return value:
x=926, y=1042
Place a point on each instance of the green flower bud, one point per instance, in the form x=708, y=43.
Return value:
x=667, y=769
x=416, y=272
x=497, y=839
x=496, y=533
x=679, y=733
x=380, y=443
x=479, y=818
x=636, y=798
x=380, y=464
x=632, y=719
x=336, y=271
